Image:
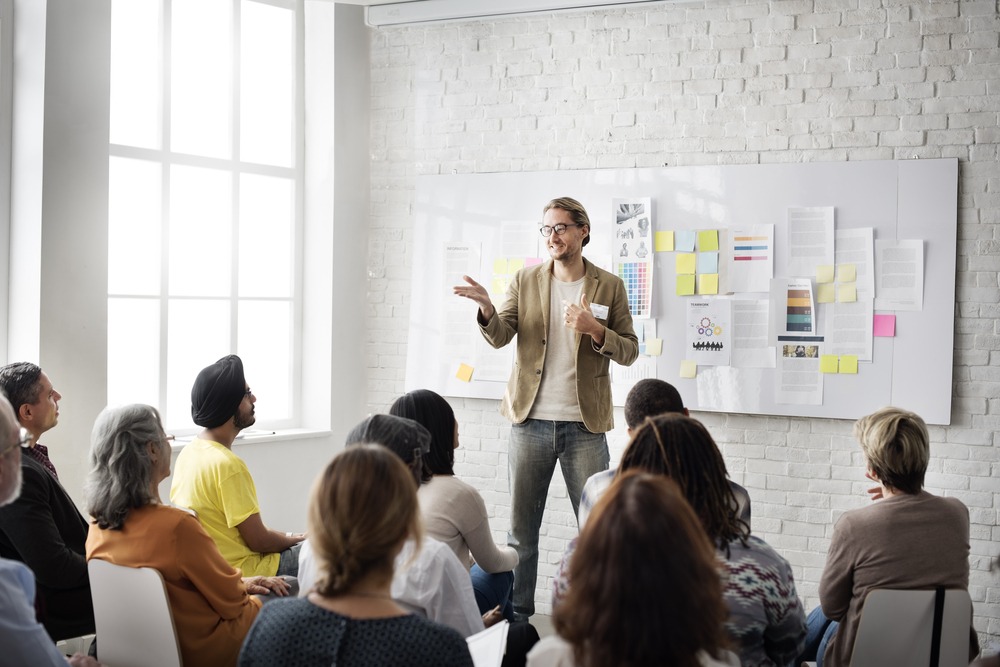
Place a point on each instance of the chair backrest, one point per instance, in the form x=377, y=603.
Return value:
x=896, y=629
x=135, y=627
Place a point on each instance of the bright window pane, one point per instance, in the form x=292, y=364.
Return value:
x=133, y=351
x=265, y=345
x=267, y=208
x=201, y=71
x=135, y=73
x=197, y=335
x=134, y=227
x=200, y=232
x=267, y=84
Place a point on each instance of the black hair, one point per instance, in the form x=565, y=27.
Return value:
x=435, y=414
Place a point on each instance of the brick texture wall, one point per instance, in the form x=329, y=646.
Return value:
x=713, y=82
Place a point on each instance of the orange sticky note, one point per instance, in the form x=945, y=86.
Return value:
x=828, y=363
x=464, y=373
x=663, y=241
x=685, y=285
x=688, y=368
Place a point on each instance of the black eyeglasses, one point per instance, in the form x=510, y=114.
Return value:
x=24, y=440
x=559, y=229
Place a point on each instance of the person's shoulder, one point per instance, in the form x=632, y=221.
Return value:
x=551, y=651
x=760, y=551
x=950, y=504
x=436, y=632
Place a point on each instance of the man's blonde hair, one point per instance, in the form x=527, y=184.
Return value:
x=897, y=447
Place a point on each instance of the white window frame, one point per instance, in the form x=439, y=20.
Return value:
x=166, y=158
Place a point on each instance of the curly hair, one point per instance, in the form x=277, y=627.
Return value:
x=363, y=507
x=681, y=448
x=651, y=397
x=643, y=542
x=121, y=463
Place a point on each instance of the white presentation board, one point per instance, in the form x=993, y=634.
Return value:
x=485, y=225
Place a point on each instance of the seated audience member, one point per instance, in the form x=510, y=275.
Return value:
x=212, y=610
x=646, y=588
x=43, y=528
x=886, y=545
x=214, y=482
x=766, y=622
x=429, y=580
x=649, y=398
x=363, y=510
x=24, y=640
x=454, y=511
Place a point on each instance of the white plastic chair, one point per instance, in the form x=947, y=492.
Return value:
x=135, y=627
x=896, y=629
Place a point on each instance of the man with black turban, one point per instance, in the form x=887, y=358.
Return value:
x=211, y=480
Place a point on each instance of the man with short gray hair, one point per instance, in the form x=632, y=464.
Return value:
x=24, y=640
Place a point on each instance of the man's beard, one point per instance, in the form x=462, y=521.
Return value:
x=241, y=423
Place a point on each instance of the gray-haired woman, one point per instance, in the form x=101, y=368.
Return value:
x=212, y=608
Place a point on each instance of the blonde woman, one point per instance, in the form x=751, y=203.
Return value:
x=363, y=509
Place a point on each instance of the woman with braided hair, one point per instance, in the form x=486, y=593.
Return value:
x=766, y=622
x=363, y=509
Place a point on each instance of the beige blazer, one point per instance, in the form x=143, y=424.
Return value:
x=525, y=313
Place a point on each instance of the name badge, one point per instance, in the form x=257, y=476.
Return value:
x=599, y=311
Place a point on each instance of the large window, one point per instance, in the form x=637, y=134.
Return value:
x=205, y=200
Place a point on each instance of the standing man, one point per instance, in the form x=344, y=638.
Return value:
x=43, y=528
x=211, y=480
x=24, y=641
x=571, y=318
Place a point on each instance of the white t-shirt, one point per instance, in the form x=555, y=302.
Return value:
x=557, y=399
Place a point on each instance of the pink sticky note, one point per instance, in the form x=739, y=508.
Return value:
x=532, y=261
x=884, y=325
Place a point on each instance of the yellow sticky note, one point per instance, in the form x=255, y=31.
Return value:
x=686, y=262
x=498, y=286
x=663, y=241
x=824, y=273
x=515, y=265
x=685, y=285
x=500, y=266
x=825, y=293
x=708, y=283
x=828, y=363
x=708, y=239
x=847, y=273
x=849, y=364
x=688, y=368
x=654, y=347
x=847, y=293
x=464, y=373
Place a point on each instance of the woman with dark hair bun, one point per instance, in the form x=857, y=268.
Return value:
x=642, y=543
x=453, y=511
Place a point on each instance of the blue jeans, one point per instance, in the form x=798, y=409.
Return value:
x=535, y=447
x=492, y=590
x=819, y=631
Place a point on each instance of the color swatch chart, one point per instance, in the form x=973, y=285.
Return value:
x=799, y=312
x=749, y=248
x=637, y=278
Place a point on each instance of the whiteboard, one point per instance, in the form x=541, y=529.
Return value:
x=472, y=216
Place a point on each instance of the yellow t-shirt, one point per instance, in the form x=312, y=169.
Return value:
x=209, y=479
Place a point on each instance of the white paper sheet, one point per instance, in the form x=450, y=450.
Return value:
x=810, y=240
x=749, y=259
x=899, y=275
x=849, y=329
x=487, y=647
x=709, y=336
x=751, y=347
x=798, y=380
x=855, y=246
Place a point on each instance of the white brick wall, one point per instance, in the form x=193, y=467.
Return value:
x=718, y=82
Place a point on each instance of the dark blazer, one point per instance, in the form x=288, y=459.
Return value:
x=525, y=313
x=44, y=530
